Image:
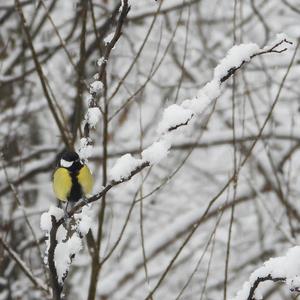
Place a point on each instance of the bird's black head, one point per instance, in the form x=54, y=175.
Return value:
x=70, y=160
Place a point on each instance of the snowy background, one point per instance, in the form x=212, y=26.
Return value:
x=166, y=55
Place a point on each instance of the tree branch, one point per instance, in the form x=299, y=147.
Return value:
x=260, y=280
x=118, y=32
x=36, y=281
x=56, y=286
x=270, y=50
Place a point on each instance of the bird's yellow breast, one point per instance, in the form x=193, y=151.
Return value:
x=62, y=184
x=86, y=180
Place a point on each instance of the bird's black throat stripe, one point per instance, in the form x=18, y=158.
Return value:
x=76, y=190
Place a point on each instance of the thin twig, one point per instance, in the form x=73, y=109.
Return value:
x=260, y=280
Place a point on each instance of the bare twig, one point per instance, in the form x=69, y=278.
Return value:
x=260, y=280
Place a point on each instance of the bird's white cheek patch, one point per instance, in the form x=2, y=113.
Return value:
x=65, y=163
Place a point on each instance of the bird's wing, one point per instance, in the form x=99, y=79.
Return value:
x=62, y=184
x=86, y=180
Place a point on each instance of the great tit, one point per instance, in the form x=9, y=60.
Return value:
x=72, y=180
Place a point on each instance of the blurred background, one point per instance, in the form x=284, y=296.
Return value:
x=168, y=51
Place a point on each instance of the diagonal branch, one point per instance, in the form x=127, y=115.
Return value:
x=273, y=49
x=36, y=281
x=118, y=32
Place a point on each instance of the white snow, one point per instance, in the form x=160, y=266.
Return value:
x=90, y=99
x=63, y=253
x=123, y=167
x=92, y=116
x=96, y=76
x=74, y=244
x=234, y=58
x=197, y=104
x=85, y=149
x=156, y=152
x=96, y=87
x=61, y=234
x=45, y=222
x=173, y=115
x=84, y=220
x=62, y=260
x=212, y=89
x=100, y=61
x=57, y=212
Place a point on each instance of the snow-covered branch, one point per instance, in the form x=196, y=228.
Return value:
x=62, y=247
x=280, y=269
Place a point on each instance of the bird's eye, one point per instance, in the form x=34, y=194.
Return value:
x=65, y=163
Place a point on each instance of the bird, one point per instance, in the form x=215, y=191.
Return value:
x=72, y=180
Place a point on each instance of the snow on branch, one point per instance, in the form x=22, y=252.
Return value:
x=234, y=58
x=123, y=167
x=156, y=152
x=64, y=253
x=97, y=87
x=251, y=53
x=176, y=116
x=280, y=269
x=62, y=248
x=173, y=117
x=46, y=222
x=91, y=119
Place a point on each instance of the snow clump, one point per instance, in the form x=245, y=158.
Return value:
x=123, y=167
